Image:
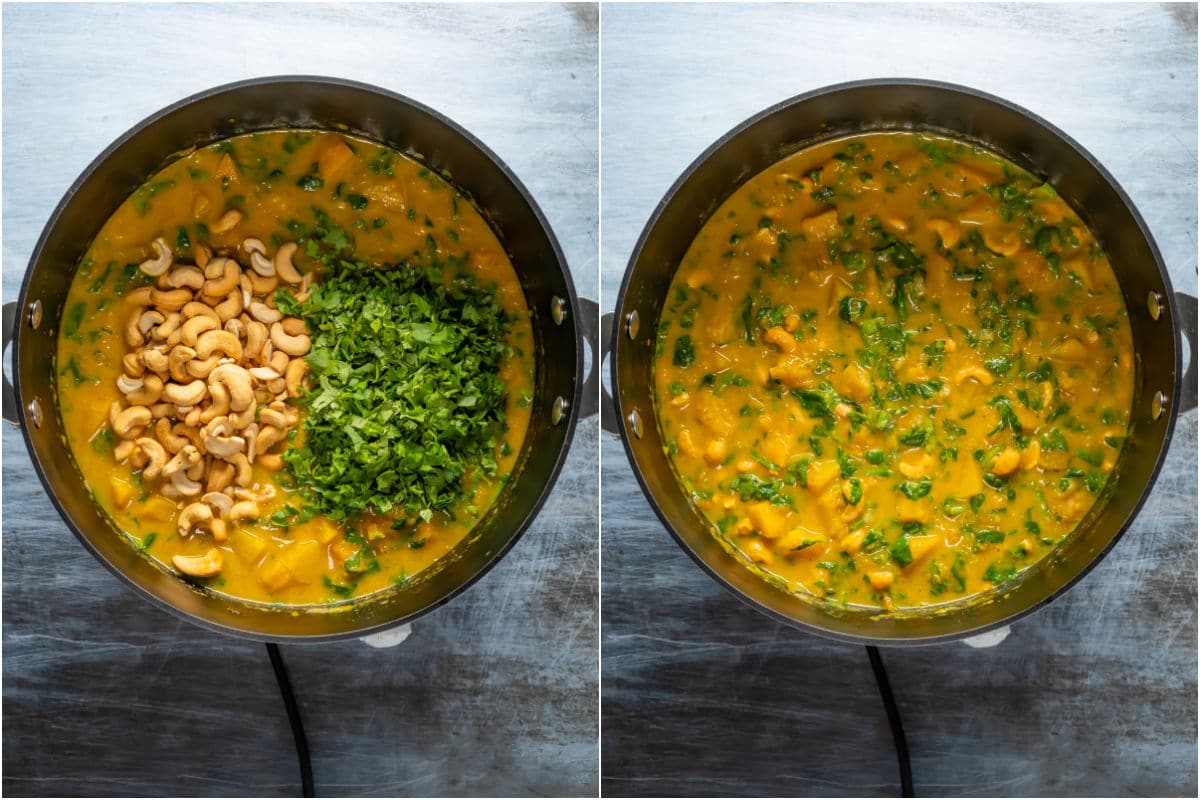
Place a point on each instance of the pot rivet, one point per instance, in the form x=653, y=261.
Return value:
x=558, y=411
x=1154, y=303
x=35, y=412
x=558, y=310
x=35, y=314
x=1158, y=405
x=631, y=324
x=635, y=423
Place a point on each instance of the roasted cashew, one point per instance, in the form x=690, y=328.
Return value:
x=264, y=313
x=268, y=436
x=193, y=516
x=177, y=360
x=192, y=418
x=155, y=360
x=237, y=380
x=246, y=509
x=261, y=285
x=157, y=455
x=220, y=402
x=271, y=416
x=182, y=461
x=131, y=420
x=197, y=309
x=160, y=410
x=227, y=221
x=140, y=296
x=283, y=262
x=294, y=377
x=242, y=419
x=242, y=465
x=292, y=345
x=220, y=502
x=263, y=495
x=220, y=475
x=198, y=470
x=230, y=307
x=256, y=337
x=270, y=462
x=133, y=365
x=163, y=430
x=127, y=385
x=294, y=326
x=187, y=276
x=201, y=255
x=169, y=326
x=224, y=448
x=185, y=485
x=134, y=335
x=205, y=566
x=197, y=325
x=123, y=450
x=214, y=341
x=148, y=395
x=200, y=368
x=162, y=258
x=265, y=374
x=251, y=436
x=222, y=274
x=185, y=394
x=171, y=299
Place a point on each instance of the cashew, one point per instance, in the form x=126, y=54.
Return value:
x=236, y=327
x=133, y=332
x=185, y=485
x=169, y=327
x=182, y=461
x=265, y=373
x=251, y=436
x=222, y=341
x=283, y=262
x=223, y=274
x=192, y=418
x=220, y=475
x=197, y=368
x=261, y=285
x=270, y=462
x=139, y=296
x=242, y=419
x=128, y=385
x=220, y=402
x=160, y=410
x=201, y=254
x=148, y=395
x=256, y=336
x=197, y=309
x=165, y=434
x=264, y=313
x=220, y=502
x=185, y=276
x=133, y=365
x=242, y=465
x=193, y=516
x=246, y=509
x=224, y=448
x=198, y=470
x=162, y=258
x=149, y=320
x=252, y=246
x=294, y=377
x=272, y=417
x=237, y=380
x=186, y=394
x=294, y=326
x=219, y=532
x=157, y=455
x=227, y=221
x=130, y=420
x=269, y=435
x=277, y=387
x=261, y=496
x=124, y=450
x=198, y=325
x=155, y=360
x=230, y=307
x=178, y=358
x=205, y=566
x=292, y=345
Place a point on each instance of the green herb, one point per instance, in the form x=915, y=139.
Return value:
x=915, y=490
x=685, y=353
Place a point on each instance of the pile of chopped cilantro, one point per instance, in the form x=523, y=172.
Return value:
x=406, y=397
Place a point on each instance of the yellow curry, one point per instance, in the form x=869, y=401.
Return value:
x=894, y=370
x=225, y=355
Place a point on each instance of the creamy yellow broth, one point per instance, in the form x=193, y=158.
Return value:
x=391, y=207
x=894, y=370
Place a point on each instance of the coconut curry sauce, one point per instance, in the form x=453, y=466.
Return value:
x=894, y=370
x=247, y=199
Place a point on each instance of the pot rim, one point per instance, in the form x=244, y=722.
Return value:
x=669, y=197
x=388, y=96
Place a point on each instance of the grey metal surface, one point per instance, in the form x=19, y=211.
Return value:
x=1092, y=695
x=494, y=694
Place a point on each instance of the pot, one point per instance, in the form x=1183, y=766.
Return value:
x=560, y=323
x=1157, y=316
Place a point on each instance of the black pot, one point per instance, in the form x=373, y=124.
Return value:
x=1157, y=316
x=560, y=322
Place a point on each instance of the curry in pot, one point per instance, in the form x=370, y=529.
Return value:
x=894, y=370
x=295, y=367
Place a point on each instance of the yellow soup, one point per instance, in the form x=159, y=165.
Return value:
x=187, y=281
x=894, y=370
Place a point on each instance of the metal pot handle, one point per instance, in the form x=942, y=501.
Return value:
x=8, y=403
x=1187, y=312
x=608, y=412
x=589, y=318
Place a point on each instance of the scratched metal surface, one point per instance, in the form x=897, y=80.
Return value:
x=1091, y=696
x=494, y=694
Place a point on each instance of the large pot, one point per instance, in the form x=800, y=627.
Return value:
x=1157, y=316
x=559, y=326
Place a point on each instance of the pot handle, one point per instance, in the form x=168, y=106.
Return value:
x=589, y=318
x=1187, y=390
x=8, y=330
x=608, y=413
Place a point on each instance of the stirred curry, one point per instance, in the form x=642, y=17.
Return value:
x=295, y=367
x=894, y=370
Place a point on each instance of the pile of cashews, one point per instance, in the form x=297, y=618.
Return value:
x=211, y=366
